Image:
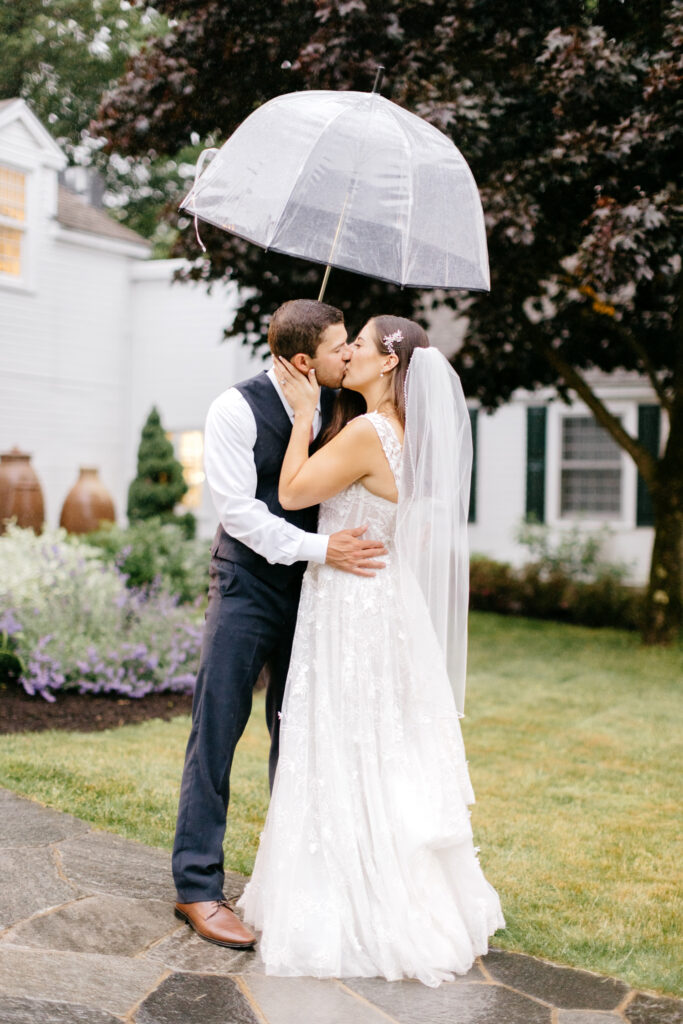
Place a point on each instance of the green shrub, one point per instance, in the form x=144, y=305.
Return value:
x=535, y=592
x=11, y=664
x=572, y=553
x=152, y=552
x=159, y=484
x=493, y=586
x=606, y=602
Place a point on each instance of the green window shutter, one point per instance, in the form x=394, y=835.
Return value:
x=472, y=514
x=535, y=463
x=649, y=426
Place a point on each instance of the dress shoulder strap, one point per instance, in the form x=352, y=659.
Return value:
x=390, y=443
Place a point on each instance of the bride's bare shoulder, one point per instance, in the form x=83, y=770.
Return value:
x=362, y=430
x=357, y=428
x=359, y=441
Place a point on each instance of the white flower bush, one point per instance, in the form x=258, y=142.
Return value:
x=73, y=623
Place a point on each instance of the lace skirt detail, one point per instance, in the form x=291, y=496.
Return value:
x=366, y=865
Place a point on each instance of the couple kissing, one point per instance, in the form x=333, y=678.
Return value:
x=340, y=563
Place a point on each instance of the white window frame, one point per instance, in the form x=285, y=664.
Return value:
x=627, y=412
x=24, y=280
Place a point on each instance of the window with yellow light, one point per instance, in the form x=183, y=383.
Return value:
x=189, y=448
x=12, y=220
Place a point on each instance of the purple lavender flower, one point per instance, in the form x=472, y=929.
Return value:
x=9, y=623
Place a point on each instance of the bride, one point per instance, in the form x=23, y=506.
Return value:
x=366, y=865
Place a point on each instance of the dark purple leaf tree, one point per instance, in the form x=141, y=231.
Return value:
x=570, y=114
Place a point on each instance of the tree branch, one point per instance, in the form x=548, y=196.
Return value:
x=648, y=366
x=646, y=463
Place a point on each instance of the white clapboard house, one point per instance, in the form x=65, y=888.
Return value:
x=93, y=333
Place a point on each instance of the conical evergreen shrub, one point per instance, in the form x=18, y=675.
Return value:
x=159, y=485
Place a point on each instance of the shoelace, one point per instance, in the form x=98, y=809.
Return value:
x=222, y=902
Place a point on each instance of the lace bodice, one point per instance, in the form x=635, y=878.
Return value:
x=357, y=504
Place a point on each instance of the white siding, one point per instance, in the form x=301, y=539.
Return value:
x=92, y=337
x=64, y=361
x=179, y=361
x=64, y=369
x=20, y=146
x=84, y=358
x=501, y=482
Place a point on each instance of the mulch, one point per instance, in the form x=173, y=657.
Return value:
x=77, y=712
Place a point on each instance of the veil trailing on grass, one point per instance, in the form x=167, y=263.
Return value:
x=433, y=503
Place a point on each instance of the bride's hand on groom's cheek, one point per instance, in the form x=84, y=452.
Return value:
x=301, y=390
x=348, y=551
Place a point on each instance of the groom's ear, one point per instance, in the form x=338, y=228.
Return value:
x=301, y=362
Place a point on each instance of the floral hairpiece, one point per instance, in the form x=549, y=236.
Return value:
x=393, y=339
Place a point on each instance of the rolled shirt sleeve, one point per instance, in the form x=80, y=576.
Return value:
x=229, y=438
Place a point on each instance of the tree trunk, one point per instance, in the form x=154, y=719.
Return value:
x=664, y=604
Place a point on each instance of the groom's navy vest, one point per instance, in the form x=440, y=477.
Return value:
x=273, y=428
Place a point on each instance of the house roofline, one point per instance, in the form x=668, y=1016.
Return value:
x=17, y=109
x=106, y=243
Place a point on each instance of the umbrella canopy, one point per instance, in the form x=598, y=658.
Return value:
x=351, y=180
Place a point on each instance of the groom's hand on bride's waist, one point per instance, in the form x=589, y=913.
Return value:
x=347, y=550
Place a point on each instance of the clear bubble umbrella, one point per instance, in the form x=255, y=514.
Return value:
x=349, y=180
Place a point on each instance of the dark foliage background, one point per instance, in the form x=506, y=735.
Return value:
x=570, y=115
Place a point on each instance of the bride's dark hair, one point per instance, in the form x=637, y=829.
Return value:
x=349, y=404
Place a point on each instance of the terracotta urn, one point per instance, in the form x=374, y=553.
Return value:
x=87, y=504
x=21, y=495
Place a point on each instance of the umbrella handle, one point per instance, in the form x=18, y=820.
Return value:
x=334, y=246
x=199, y=167
x=323, y=286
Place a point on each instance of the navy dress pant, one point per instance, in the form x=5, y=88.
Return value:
x=249, y=625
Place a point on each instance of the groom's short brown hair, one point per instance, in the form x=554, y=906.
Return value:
x=297, y=326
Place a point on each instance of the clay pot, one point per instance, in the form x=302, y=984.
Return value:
x=87, y=504
x=21, y=495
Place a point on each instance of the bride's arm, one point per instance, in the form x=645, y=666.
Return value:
x=349, y=456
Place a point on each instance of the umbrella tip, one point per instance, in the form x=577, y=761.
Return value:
x=379, y=75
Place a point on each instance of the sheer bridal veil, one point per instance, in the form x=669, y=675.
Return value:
x=433, y=503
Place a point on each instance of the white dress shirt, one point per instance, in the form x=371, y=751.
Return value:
x=229, y=439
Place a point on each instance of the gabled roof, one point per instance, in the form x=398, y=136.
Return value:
x=16, y=109
x=73, y=212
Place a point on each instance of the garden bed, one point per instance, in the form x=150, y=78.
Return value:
x=84, y=712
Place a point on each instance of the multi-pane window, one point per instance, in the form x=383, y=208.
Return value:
x=12, y=220
x=189, y=447
x=590, y=470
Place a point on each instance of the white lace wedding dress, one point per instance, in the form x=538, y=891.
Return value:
x=366, y=865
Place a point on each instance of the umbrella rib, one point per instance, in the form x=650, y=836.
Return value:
x=299, y=172
x=406, y=240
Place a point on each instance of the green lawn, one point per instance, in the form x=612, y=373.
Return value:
x=573, y=743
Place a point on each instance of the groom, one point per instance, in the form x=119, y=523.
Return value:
x=258, y=559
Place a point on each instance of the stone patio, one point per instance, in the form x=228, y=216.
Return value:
x=88, y=936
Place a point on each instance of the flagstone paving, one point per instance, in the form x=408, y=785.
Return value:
x=88, y=936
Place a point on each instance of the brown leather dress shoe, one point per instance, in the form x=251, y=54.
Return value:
x=215, y=922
